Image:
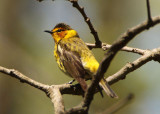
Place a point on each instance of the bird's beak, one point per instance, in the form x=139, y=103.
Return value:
x=48, y=31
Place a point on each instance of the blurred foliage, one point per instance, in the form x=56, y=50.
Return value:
x=25, y=47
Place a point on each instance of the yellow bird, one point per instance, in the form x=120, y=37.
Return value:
x=74, y=58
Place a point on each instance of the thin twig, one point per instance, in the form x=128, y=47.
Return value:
x=88, y=21
x=125, y=48
x=149, y=12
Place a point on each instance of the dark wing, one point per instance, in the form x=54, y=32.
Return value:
x=72, y=64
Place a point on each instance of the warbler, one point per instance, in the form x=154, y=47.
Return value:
x=74, y=57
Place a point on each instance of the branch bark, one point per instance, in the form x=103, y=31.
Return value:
x=56, y=99
x=125, y=48
x=24, y=79
x=149, y=11
x=88, y=21
x=129, y=67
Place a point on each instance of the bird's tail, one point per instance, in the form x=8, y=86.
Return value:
x=103, y=83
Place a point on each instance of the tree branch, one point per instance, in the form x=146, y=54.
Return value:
x=24, y=79
x=56, y=98
x=125, y=48
x=149, y=12
x=53, y=91
x=129, y=67
x=88, y=21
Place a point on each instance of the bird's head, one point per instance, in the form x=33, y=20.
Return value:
x=62, y=31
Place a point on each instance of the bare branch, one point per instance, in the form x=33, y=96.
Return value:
x=53, y=92
x=24, y=79
x=88, y=21
x=149, y=12
x=71, y=89
x=56, y=99
x=129, y=67
x=125, y=48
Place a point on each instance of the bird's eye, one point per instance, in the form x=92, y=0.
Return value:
x=59, y=30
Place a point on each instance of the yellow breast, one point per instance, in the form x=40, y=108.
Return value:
x=87, y=58
x=56, y=55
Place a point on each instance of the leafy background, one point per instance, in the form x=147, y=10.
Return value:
x=25, y=47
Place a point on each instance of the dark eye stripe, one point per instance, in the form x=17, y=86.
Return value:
x=59, y=30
